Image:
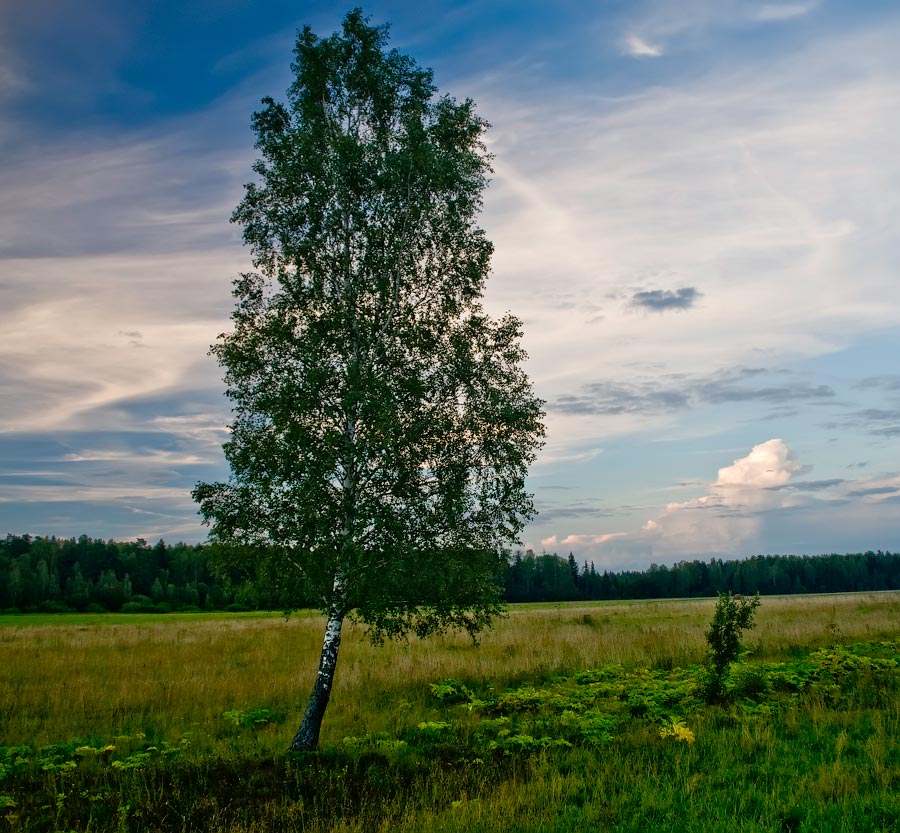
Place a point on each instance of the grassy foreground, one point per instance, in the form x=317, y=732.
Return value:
x=566, y=717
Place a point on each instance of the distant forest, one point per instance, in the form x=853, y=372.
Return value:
x=86, y=574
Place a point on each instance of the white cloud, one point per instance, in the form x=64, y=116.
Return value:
x=581, y=541
x=109, y=334
x=768, y=465
x=753, y=501
x=774, y=12
x=693, y=24
x=729, y=516
x=150, y=457
x=766, y=191
x=640, y=48
x=98, y=494
x=723, y=521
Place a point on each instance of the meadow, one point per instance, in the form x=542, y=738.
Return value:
x=564, y=717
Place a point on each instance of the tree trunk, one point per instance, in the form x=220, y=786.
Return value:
x=307, y=737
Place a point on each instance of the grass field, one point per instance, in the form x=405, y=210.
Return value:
x=200, y=708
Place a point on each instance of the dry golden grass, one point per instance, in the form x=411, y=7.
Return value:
x=175, y=676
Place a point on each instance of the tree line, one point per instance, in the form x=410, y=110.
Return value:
x=49, y=574
x=86, y=574
x=548, y=577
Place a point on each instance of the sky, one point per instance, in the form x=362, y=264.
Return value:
x=694, y=211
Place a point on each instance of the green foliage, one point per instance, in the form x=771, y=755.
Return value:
x=809, y=744
x=449, y=691
x=733, y=615
x=254, y=719
x=382, y=423
x=433, y=729
x=593, y=707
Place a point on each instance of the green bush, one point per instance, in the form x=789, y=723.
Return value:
x=733, y=616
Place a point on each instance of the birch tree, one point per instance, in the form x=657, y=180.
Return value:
x=382, y=422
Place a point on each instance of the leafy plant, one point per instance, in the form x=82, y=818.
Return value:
x=733, y=615
x=253, y=719
x=676, y=730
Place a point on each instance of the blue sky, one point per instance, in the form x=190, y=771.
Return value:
x=694, y=211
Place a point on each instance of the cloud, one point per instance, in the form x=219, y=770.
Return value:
x=752, y=502
x=575, y=456
x=581, y=541
x=573, y=510
x=670, y=393
x=611, y=398
x=816, y=485
x=878, y=422
x=874, y=490
x=78, y=197
x=660, y=300
x=768, y=465
x=639, y=48
x=729, y=388
x=711, y=177
x=138, y=457
x=776, y=12
x=694, y=24
x=888, y=382
x=725, y=519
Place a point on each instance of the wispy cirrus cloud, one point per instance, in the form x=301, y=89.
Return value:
x=777, y=12
x=747, y=211
x=693, y=24
x=669, y=393
x=640, y=48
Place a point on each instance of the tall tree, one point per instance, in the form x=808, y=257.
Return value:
x=382, y=423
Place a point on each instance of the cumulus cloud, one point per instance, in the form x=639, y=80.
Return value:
x=754, y=498
x=768, y=465
x=725, y=519
x=729, y=514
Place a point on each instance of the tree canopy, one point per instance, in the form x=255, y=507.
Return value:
x=382, y=422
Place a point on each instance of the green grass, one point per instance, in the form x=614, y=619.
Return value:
x=562, y=719
x=37, y=620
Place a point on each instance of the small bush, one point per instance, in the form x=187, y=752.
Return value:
x=733, y=616
x=135, y=607
x=54, y=606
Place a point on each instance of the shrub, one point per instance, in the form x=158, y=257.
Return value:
x=733, y=615
x=54, y=606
